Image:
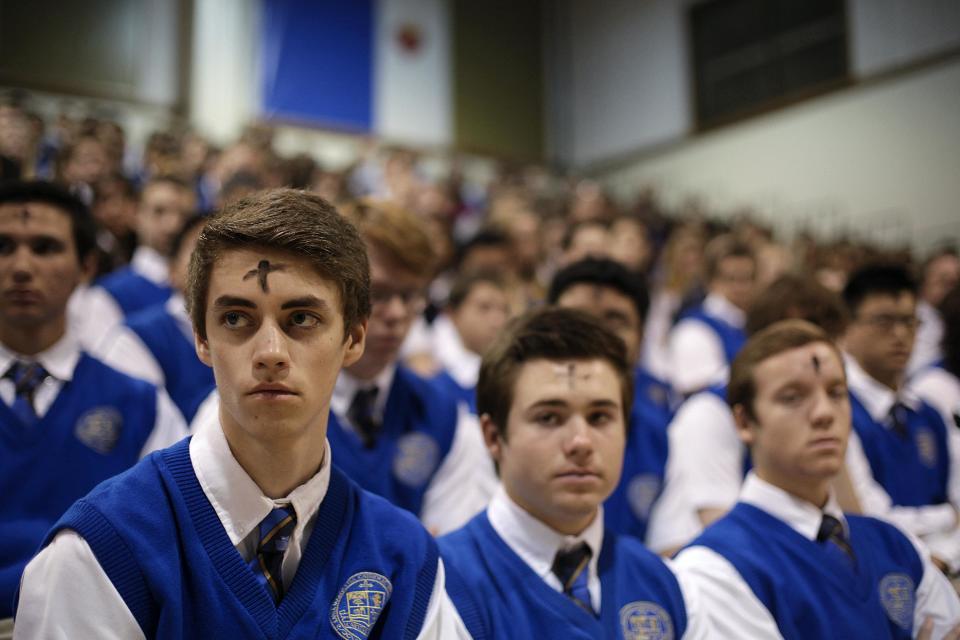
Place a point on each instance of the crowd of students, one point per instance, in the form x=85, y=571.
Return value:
x=420, y=408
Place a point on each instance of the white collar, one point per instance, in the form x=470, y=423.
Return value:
x=877, y=398
x=462, y=364
x=59, y=360
x=532, y=540
x=348, y=385
x=150, y=264
x=800, y=515
x=718, y=306
x=238, y=501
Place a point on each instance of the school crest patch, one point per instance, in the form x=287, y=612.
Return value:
x=416, y=459
x=358, y=605
x=99, y=429
x=641, y=492
x=926, y=446
x=644, y=620
x=897, y=597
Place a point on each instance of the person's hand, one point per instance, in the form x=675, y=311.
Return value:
x=926, y=632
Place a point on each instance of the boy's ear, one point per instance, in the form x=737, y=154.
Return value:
x=356, y=341
x=491, y=437
x=743, y=423
x=203, y=349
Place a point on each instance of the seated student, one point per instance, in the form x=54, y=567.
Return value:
x=554, y=395
x=618, y=298
x=706, y=338
x=396, y=434
x=157, y=342
x=786, y=561
x=165, y=204
x=477, y=310
x=939, y=273
x=67, y=421
x=246, y=529
x=939, y=383
x=707, y=461
x=903, y=460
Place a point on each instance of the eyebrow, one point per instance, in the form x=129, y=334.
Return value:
x=596, y=404
x=306, y=301
x=233, y=301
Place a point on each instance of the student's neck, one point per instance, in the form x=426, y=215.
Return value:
x=892, y=381
x=816, y=492
x=29, y=341
x=276, y=466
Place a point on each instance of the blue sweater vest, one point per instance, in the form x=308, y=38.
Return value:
x=627, y=510
x=367, y=566
x=133, y=291
x=499, y=596
x=451, y=387
x=419, y=423
x=95, y=429
x=806, y=592
x=913, y=469
x=732, y=337
x=187, y=380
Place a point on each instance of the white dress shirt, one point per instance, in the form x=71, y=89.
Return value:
x=704, y=470
x=465, y=479
x=537, y=545
x=734, y=611
x=453, y=356
x=696, y=351
x=65, y=583
x=60, y=361
x=941, y=390
x=926, y=346
x=935, y=524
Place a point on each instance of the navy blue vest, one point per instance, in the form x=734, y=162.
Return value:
x=418, y=427
x=627, y=510
x=733, y=338
x=132, y=291
x=160, y=542
x=914, y=468
x=187, y=380
x=95, y=429
x=808, y=594
x=467, y=395
x=638, y=591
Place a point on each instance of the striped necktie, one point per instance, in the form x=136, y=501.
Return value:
x=26, y=378
x=362, y=415
x=570, y=567
x=832, y=536
x=275, y=531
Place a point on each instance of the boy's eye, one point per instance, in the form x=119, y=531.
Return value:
x=304, y=319
x=235, y=319
x=599, y=418
x=547, y=419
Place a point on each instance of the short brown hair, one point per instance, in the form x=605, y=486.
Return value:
x=548, y=333
x=298, y=222
x=777, y=338
x=397, y=232
x=721, y=248
x=798, y=296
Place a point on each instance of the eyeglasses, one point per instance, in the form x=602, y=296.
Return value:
x=888, y=321
x=412, y=299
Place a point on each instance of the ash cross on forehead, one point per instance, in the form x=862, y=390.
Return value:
x=24, y=215
x=816, y=363
x=262, y=271
x=569, y=371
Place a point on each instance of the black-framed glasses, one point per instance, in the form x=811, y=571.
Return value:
x=888, y=321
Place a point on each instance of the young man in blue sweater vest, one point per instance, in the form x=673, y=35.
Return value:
x=554, y=394
x=246, y=530
x=67, y=420
x=786, y=561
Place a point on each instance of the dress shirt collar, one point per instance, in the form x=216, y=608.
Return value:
x=238, y=501
x=462, y=364
x=876, y=398
x=800, y=515
x=151, y=265
x=59, y=360
x=718, y=306
x=536, y=543
x=347, y=385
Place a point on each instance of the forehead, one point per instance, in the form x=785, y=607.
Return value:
x=34, y=217
x=482, y=289
x=817, y=360
x=588, y=295
x=878, y=302
x=586, y=380
x=289, y=276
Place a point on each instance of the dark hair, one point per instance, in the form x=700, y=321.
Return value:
x=877, y=279
x=486, y=237
x=189, y=225
x=605, y=273
x=549, y=333
x=464, y=283
x=83, y=226
x=298, y=222
x=798, y=296
x=777, y=338
x=721, y=248
x=950, y=310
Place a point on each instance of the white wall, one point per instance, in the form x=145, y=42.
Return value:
x=882, y=160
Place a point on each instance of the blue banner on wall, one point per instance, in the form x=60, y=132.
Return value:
x=317, y=62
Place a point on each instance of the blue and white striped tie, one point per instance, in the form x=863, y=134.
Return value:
x=275, y=532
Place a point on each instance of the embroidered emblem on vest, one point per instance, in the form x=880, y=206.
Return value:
x=358, y=605
x=641, y=492
x=416, y=459
x=99, y=429
x=927, y=447
x=645, y=620
x=896, y=596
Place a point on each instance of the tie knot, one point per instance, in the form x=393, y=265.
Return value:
x=276, y=529
x=830, y=527
x=26, y=376
x=570, y=563
x=898, y=417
